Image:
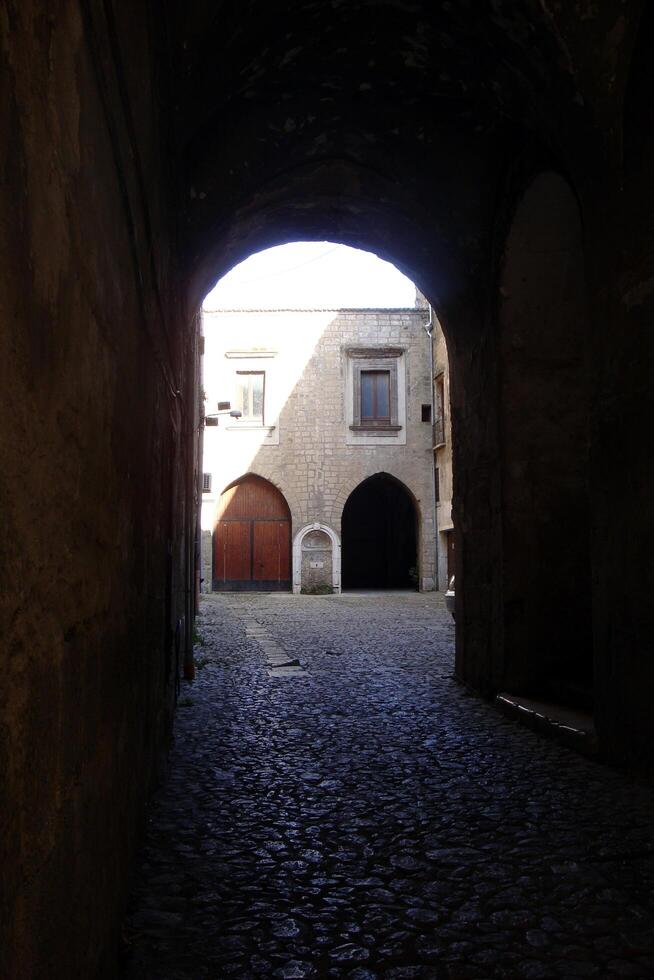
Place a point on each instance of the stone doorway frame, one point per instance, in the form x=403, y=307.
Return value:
x=297, y=555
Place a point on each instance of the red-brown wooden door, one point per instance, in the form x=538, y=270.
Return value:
x=232, y=551
x=271, y=551
x=252, y=539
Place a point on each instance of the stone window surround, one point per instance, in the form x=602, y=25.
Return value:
x=375, y=359
x=297, y=554
x=244, y=358
x=389, y=359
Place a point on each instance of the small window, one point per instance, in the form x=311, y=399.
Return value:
x=250, y=395
x=374, y=378
x=426, y=413
x=437, y=485
x=376, y=397
x=439, y=409
x=206, y=483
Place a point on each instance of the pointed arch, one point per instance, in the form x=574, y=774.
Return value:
x=251, y=538
x=380, y=528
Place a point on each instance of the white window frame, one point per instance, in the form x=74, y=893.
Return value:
x=266, y=430
x=258, y=420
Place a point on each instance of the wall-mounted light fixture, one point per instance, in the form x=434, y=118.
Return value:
x=224, y=408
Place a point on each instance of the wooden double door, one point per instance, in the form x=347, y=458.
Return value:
x=252, y=539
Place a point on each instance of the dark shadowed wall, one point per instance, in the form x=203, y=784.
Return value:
x=96, y=390
x=544, y=398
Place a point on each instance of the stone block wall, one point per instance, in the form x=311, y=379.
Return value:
x=96, y=416
x=304, y=445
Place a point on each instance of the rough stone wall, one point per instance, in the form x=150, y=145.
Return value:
x=93, y=483
x=306, y=413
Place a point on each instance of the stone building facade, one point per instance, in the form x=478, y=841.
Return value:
x=311, y=374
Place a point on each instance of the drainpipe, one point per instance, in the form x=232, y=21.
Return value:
x=429, y=330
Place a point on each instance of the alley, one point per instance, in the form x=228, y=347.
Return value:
x=360, y=815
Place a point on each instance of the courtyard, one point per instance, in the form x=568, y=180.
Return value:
x=337, y=805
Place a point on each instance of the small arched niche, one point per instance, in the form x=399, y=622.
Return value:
x=316, y=560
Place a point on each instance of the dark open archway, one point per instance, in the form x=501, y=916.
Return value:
x=422, y=191
x=379, y=536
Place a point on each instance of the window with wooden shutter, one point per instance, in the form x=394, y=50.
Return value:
x=376, y=397
x=375, y=390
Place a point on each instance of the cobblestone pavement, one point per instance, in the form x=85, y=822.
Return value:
x=364, y=817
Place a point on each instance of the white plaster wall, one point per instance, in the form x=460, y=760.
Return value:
x=302, y=447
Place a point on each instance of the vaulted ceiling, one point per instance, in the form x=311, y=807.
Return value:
x=379, y=118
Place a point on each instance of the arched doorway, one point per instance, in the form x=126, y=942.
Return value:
x=544, y=417
x=379, y=536
x=252, y=539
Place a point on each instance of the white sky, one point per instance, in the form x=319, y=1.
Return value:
x=312, y=275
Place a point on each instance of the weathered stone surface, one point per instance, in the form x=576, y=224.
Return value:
x=371, y=819
x=96, y=398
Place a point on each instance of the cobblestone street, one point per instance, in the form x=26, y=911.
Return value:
x=361, y=816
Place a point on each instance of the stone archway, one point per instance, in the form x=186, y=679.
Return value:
x=380, y=536
x=327, y=546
